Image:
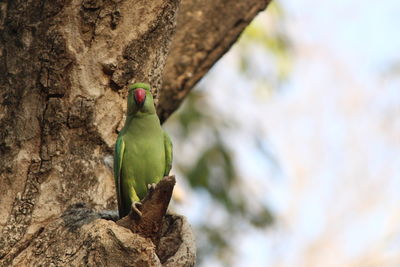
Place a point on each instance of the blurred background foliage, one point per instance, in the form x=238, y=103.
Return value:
x=206, y=163
x=280, y=146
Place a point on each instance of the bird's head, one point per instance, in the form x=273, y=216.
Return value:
x=140, y=99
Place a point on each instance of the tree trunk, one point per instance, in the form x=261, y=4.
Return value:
x=63, y=67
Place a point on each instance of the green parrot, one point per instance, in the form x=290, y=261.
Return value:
x=143, y=151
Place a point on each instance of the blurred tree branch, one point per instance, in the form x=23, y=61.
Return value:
x=205, y=32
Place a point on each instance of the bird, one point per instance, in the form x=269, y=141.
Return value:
x=142, y=152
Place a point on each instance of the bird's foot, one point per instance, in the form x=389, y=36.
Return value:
x=135, y=210
x=151, y=188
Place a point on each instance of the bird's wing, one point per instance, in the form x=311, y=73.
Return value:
x=118, y=156
x=168, y=153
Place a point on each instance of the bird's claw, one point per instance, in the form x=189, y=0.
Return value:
x=151, y=188
x=135, y=210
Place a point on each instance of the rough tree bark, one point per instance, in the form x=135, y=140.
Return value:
x=64, y=65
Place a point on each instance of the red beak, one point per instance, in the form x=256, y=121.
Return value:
x=140, y=96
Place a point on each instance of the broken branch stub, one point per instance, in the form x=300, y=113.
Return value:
x=153, y=208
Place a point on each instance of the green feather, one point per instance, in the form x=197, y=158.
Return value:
x=118, y=156
x=143, y=151
x=139, y=85
x=168, y=153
